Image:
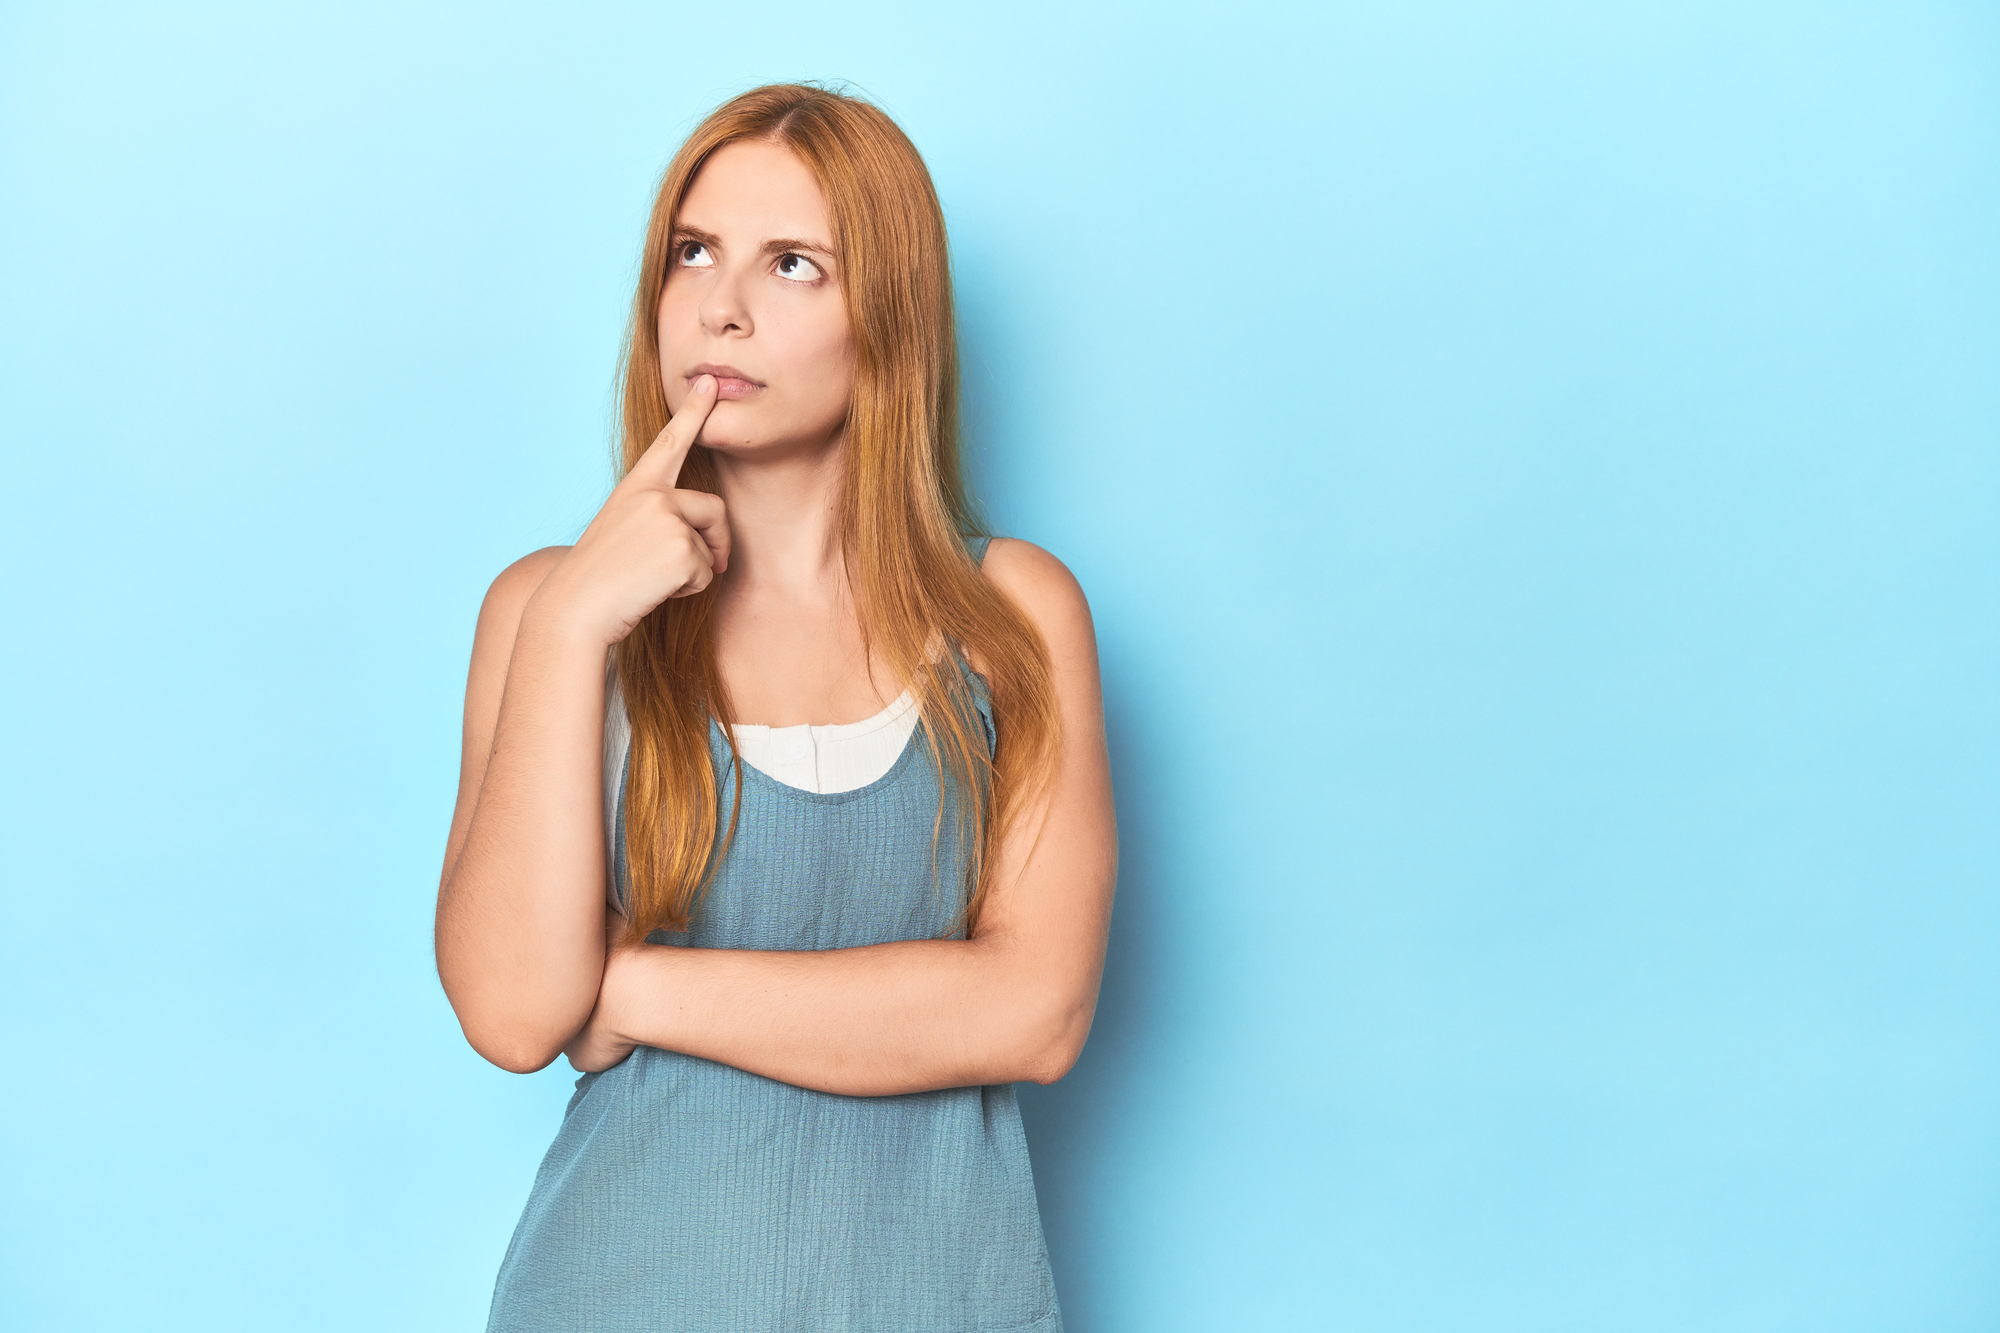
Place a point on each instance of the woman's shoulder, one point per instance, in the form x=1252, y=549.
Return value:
x=514, y=585
x=531, y=568
x=1041, y=585
x=1022, y=566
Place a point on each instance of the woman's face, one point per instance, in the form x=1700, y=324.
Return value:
x=753, y=298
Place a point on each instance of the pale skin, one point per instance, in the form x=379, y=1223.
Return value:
x=756, y=358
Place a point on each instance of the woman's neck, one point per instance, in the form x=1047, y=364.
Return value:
x=788, y=641
x=784, y=518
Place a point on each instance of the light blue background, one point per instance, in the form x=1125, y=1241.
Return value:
x=1534, y=467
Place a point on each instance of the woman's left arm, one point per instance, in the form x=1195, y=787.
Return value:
x=1012, y=1003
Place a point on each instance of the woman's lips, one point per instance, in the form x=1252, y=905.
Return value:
x=729, y=381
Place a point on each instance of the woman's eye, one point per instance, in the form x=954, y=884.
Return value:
x=695, y=255
x=798, y=268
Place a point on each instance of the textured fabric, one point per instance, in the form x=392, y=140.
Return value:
x=683, y=1194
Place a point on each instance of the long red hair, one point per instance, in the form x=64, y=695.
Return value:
x=904, y=513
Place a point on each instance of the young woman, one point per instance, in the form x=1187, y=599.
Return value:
x=785, y=810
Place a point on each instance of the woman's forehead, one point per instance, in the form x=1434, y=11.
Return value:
x=752, y=191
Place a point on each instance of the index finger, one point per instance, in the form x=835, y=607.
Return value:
x=660, y=465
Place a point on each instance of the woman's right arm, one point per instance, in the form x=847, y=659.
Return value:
x=520, y=920
x=520, y=916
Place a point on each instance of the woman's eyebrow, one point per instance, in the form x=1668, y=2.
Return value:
x=782, y=245
x=785, y=246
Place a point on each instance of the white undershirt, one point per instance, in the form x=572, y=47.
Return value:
x=833, y=758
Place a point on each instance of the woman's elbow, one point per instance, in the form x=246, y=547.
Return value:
x=1053, y=1065
x=1055, y=1043
x=516, y=1057
x=513, y=1042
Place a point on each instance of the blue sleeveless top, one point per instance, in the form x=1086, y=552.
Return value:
x=683, y=1194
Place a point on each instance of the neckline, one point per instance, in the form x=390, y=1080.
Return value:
x=905, y=757
x=756, y=776
x=837, y=731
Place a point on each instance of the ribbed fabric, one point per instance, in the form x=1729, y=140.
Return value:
x=683, y=1194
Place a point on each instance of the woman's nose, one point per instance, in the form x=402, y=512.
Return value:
x=723, y=309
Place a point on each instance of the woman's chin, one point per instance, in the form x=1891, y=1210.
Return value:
x=750, y=447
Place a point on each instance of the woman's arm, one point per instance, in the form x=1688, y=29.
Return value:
x=520, y=946
x=1014, y=1002
x=520, y=917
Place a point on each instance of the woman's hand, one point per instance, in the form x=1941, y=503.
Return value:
x=651, y=541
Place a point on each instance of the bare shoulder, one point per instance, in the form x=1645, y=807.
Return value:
x=515, y=584
x=1045, y=590
x=506, y=601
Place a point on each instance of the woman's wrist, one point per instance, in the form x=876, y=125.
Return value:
x=636, y=997
x=604, y=1040
x=556, y=616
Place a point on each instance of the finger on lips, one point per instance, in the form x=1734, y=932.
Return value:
x=678, y=435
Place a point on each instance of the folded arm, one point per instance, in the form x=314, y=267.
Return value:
x=520, y=920
x=1012, y=1003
